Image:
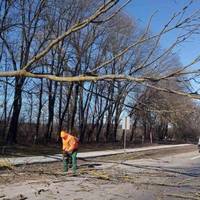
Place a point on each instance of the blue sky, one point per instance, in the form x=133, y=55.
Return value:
x=141, y=10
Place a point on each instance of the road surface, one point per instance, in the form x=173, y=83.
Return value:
x=173, y=175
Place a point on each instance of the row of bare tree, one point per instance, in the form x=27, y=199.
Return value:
x=81, y=65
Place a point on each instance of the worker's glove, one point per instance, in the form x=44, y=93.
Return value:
x=69, y=153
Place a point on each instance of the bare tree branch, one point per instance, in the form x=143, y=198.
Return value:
x=76, y=27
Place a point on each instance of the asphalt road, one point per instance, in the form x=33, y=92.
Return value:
x=169, y=177
x=175, y=176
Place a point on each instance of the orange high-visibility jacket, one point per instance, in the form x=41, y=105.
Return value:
x=69, y=142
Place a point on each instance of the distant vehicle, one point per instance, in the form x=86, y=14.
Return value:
x=199, y=145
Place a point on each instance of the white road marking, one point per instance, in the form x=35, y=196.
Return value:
x=194, y=157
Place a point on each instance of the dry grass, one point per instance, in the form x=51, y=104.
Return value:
x=5, y=164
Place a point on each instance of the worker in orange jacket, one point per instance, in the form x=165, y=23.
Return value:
x=70, y=148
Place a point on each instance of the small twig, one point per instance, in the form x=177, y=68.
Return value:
x=2, y=195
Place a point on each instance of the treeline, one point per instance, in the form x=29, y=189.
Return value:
x=34, y=110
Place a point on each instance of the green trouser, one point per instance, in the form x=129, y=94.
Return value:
x=68, y=159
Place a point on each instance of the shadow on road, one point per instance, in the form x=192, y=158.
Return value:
x=186, y=171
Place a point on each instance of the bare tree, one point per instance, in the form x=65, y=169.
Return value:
x=65, y=41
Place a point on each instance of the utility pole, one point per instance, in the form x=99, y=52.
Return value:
x=125, y=127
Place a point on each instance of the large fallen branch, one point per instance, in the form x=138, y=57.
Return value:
x=110, y=77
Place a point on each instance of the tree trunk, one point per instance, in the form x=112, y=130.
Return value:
x=114, y=137
x=39, y=112
x=100, y=125
x=84, y=112
x=133, y=129
x=66, y=107
x=145, y=131
x=74, y=107
x=5, y=109
x=52, y=98
x=17, y=103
